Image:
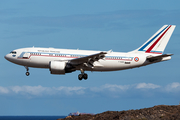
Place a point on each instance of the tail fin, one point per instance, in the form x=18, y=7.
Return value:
x=157, y=43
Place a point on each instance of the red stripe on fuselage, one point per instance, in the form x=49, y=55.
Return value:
x=152, y=46
x=71, y=57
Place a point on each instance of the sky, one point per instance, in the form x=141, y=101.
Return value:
x=88, y=25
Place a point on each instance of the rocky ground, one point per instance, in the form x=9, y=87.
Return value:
x=160, y=112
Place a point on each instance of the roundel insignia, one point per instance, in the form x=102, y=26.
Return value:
x=136, y=59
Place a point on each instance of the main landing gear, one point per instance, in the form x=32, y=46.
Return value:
x=82, y=75
x=27, y=69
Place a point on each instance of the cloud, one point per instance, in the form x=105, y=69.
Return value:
x=107, y=90
x=32, y=90
x=147, y=86
x=38, y=91
x=111, y=88
x=4, y=90
x=70, y=90
x=173, y=87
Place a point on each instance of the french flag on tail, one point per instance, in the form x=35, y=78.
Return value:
x=157, y=43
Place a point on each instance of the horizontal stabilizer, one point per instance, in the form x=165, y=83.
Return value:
x=159, y=57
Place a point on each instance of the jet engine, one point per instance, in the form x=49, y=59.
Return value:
x=60, y=67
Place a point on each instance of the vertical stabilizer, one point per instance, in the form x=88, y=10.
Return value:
x=157, y=43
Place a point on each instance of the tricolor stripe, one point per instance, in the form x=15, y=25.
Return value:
x=152, y=46
x=149, y=50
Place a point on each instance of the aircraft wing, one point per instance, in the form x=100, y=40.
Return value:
x=88, y=60
x=159, y=57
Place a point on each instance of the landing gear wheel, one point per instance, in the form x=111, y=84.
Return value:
x=27, y=69
x=85, y=76
x=27, y=73
x=80, y=76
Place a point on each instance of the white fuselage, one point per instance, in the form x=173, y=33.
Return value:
x=40, y=58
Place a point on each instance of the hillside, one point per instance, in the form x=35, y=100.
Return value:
x=160, y=112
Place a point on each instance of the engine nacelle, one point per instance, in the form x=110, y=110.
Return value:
x=57, y=67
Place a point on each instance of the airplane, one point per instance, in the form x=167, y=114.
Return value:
x=62, y=61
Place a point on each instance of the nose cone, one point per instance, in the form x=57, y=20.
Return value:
x=8, y=57
x=12, y=58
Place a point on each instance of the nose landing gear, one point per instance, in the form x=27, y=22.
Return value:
x=27, y=73
x=27, y=69
x=82, y=75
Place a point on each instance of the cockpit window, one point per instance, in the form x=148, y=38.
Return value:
x=13, y=52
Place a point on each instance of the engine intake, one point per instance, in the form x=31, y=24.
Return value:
x=59, y=67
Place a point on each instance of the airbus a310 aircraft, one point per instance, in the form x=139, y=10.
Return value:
x=61, y=61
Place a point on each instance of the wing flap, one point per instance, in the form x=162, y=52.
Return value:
x=90, y=59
